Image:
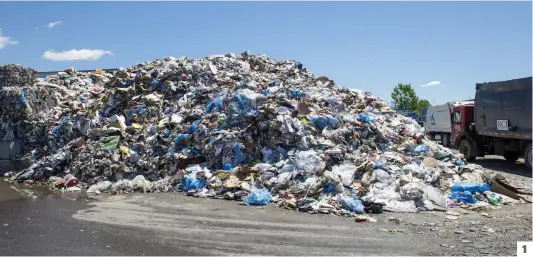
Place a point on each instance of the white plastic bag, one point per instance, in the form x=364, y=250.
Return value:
x=346, y=172
x=100, y=187
x=309, y=162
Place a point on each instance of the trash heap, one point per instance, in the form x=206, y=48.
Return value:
x=16, y=116
x=243, y=127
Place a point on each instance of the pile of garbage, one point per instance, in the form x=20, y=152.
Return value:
x=243, y=127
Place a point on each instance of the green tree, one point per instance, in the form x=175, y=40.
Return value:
x=404, y=97
x=422, y=104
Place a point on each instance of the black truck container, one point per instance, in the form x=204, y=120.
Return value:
x=502, y=119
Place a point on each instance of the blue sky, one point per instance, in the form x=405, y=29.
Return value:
x=371, y=46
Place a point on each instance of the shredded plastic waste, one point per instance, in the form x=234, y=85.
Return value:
x=223, y=126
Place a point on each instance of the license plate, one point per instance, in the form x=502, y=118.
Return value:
x=502, y=125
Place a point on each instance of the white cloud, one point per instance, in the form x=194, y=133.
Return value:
x=432, y=84
x=76, y=55
x=5, y=41
x=54, y=23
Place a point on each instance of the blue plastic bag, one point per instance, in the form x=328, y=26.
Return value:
x=181, y=137
x=322, y=122
x=421, y=149
x=329, y=189
x=470, y=187
x=193, y=183
x=296, y=93
x=381, y=165
x=22, y=100
x=214, y=105
x=366, y=118
x=353, y=204
x=259, y=197
x=193, y=127
x=463, y=197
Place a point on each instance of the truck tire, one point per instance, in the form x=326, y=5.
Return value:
x=445, y=141
x=511, y=156
x=527, y=156
x=467, y=149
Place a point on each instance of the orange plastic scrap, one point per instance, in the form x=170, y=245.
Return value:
x=98, y=71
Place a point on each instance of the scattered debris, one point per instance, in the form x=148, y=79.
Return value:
x=452, y=217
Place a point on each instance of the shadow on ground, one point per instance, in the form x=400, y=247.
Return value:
x=500, y=164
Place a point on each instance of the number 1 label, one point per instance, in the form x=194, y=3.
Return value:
x=524, y=249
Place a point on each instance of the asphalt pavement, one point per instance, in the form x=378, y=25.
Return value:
x=170, y=224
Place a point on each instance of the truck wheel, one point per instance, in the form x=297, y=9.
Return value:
x=467, y=150
x=511, y=156
x=527, y=156
x=444, y=140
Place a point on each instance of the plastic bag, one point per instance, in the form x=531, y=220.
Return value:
x=366, y=118
x=421, y=149
x=327, y=121
x=100, y=187
x=247, y=98
x=140, y=183
x=381, y=176
x=470, y=187
x=181, y=137
x=412, y=168
x=263, y=167
x=433, y=194
x=346, y=172
x=333, y=182
x=259, y=197
x=400, y=206
x=193, y=183
x=411, y=192
x=22, y=99
x=353, y=204
x=463, y=197
x=309, y=162
x=214, y=105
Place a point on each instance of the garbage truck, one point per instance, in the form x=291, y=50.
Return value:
x=499, y=122
x=438, y=121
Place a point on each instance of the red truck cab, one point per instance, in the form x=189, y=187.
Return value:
x=462, y=118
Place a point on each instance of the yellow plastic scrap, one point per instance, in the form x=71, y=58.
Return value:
x=137, y=126
x=98, y=71
x=125, y=151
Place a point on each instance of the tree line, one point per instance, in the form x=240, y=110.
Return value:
x=404, y=98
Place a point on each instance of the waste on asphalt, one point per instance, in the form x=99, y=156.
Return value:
x=241, y=127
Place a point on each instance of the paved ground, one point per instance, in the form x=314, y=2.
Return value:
x=170, y=224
